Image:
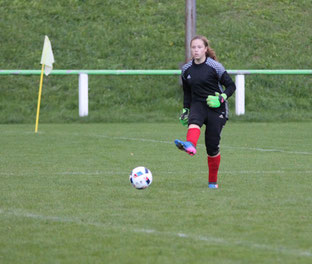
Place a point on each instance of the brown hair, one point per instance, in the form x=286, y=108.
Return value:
x=210, y=52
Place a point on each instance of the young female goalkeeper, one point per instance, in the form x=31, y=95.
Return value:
x=205, y=103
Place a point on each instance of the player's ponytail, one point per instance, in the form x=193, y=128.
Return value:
x=210, y=52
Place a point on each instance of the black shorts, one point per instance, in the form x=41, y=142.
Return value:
x=201, y=114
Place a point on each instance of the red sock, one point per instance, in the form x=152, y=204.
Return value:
x=213, y=165
x=193, y=135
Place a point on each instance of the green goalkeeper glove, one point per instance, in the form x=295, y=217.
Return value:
x=217, y=100
x=184, y=116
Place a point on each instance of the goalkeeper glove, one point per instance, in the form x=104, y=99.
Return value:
x=216, y=100
x=184, y=116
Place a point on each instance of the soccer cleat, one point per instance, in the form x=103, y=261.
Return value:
x=213, y=185
x=185, y=146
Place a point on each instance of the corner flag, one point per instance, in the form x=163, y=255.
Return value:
x=47, y=60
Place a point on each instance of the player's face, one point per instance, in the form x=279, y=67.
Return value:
x=198, y=50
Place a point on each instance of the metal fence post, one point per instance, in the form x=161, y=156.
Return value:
x=83, y=94
x=240, y=94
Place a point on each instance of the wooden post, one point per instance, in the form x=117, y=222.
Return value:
x=190, y=26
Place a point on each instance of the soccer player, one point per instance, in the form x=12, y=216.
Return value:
x=205, y=102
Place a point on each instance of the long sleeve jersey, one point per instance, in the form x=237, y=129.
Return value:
x=201, y=80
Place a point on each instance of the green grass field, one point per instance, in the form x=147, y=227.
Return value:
x=66, y=197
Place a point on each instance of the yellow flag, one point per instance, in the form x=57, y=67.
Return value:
x=47, y=58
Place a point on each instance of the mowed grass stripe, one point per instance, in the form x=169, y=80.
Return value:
x=109, y=173
x=171, y=142
x=206, y=239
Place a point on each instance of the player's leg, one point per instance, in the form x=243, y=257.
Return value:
x=213, y=166
x=214, y=126
x=196, y=119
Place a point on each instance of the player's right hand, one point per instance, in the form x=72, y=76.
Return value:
x=184, y=116
x=216, y=100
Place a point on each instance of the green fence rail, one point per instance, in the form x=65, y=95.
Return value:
x=148, y=72
x=83, y=81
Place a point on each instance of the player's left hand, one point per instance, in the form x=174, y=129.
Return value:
x=216, y=100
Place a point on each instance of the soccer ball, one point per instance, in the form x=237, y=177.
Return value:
x=141, y=178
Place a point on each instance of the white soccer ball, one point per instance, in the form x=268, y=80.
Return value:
x=141, y=178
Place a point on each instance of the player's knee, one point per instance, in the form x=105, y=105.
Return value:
x=212, y=151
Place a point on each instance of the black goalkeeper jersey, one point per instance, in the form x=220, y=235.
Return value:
x=201, y=80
